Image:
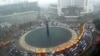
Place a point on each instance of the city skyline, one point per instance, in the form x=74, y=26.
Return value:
x=5, y=2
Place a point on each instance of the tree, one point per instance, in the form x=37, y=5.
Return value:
x=97, y=24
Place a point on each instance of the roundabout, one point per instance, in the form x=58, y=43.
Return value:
x=39, y=38
x=37, y=41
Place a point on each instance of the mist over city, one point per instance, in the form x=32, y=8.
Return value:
x=4, y=2
x=49, y=27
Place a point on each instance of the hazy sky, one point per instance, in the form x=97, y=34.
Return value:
x=2, y=2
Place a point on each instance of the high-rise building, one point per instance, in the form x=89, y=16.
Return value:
x=83, y=4
x=79, y=3
x=88, y=7
x=64, y=4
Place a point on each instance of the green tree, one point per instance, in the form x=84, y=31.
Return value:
x=97, y=23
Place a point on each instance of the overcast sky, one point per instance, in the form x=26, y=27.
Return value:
x=3, y=2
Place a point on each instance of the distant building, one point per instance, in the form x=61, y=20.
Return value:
x=5, y=24
x=97, y=7
x=85, y=6
x=88, y=7
x=80, y=3
x=52, y=9
x=63, y=4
